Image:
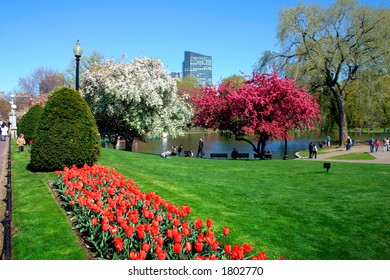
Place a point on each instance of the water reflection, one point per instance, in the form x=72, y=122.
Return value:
x=214, y=143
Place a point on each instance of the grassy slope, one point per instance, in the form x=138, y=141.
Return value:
x=289, y=208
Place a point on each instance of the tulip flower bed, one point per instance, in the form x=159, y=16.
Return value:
x=122, y=222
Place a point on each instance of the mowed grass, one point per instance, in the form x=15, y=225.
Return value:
x=354, y=156
x=41, y=230
x=292, y=209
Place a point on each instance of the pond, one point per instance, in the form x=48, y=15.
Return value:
x=214, y=143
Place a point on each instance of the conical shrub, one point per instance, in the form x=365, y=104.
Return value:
x=66, y=135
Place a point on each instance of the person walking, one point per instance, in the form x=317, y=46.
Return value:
x=372, y=145
x=314, y=151
x=200, y=148
x=349, y=143
x=311, y=150
x=4, y=132
x=377, y=144
x=21, y=142
x=328, y=141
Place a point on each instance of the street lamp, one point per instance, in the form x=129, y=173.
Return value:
x=77, y=50
x=285, y=149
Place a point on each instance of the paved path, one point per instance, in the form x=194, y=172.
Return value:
x=380, y=156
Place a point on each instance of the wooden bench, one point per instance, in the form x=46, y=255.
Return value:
x=243, y=155
x=265, y=156
x=218, y=155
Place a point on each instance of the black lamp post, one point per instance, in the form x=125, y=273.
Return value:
x=77, y=50
x=285, y=149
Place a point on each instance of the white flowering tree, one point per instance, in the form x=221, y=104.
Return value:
x=135, y=100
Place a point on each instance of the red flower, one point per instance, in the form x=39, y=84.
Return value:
x=105, y=227
x=228, y=249
x=118, y=244
x=199, y=246
x=113, y=229
x=225, y=231
x=247, y=248
x=188, y=246
x=133, y=255
x=177, y=248
x=160, y=240
x=94, y=221
x=178, y=238
x=209, y=223
x=169, y=233
x=186, y=231
x=145, y=247
x=198, y=223
x=162, y=255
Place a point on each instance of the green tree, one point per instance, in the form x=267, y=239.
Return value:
x=28, y=123
x=86, y=63
x=328, y=47
x=67, y=133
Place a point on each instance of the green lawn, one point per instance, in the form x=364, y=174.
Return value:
x=354, y=156
x=292, y=208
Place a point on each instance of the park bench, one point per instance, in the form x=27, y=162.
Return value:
x=218, y=155
x=265, y=156
x=243, y=155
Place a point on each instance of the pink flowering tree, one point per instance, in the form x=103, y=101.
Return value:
x=265, y=106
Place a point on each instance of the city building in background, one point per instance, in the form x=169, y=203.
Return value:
x=176, y=75
x=198, y=65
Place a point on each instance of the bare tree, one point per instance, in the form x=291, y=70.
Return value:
x=41, y=81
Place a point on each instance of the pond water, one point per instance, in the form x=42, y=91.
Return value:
x=214, y=143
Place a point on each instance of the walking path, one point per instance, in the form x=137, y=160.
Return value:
x=380, y=156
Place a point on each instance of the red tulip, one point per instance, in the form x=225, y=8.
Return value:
x=118, y=244
x=145, y=247
x=209, y=223
x=228, y=249
x=247, y=248
x=162, y=256
x=225, y=231
x=94, y=221
x=198, y=223
x=188, y=246
x=199, y=246
x=177, y=248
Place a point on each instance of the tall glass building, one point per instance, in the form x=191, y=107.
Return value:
x=198, y=65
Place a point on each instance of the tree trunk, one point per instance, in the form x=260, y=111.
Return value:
x=341, y=116
x=128, y=142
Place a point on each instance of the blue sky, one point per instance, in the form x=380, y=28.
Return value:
x=43, y=33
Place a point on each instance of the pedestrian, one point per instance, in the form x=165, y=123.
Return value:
x=328, y=141
x=372, y=145
x=377, y=144
x=234, y=153
x=200, y=148
x=314, y=151
x=349, y=143
x=388, y=144
x=180, y=149
x=21, y=142
x=385, y=145
x=4, y=132
x=311, y=150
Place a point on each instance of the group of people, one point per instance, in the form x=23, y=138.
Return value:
x=374, y=145
x=177, y=151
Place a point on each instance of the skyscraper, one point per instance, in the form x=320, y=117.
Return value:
x=199, y=66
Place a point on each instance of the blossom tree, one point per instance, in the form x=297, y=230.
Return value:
x=265, y=106
x=136, y=100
